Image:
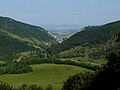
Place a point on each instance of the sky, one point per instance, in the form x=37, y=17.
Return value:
x=61, y=12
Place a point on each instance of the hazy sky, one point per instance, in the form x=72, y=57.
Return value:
x=57, y=12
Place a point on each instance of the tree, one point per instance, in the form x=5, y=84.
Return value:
x=5, y=86
x=49, y=87
x=78, y=82
x=109, y=77
x=118, y=39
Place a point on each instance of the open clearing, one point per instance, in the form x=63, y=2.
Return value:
x=43, y=74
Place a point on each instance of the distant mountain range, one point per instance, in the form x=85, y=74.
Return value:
x=17, y=37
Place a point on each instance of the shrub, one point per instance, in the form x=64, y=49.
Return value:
x=30, y=87
x=49, y=87
x=78, y=82
x=5, y=86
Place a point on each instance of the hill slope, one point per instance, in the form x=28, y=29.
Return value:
x=17, y=37
x=90, y=36
x=90, y=45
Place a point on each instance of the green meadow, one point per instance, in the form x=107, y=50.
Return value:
x=43, y=74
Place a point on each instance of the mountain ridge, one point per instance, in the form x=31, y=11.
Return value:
x=17, y=37
x=90, y=36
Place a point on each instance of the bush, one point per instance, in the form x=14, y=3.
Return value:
x=30, y=87
x=18, y=68
x=78, y=82
x=2, y=70
x=109, y=77
x=37, y=60
x=5, y=86
x=49, y=87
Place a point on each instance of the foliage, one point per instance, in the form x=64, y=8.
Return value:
x=118, y=37
x=18, y=68
x=79, y=81
x=74, y=52
x=17, y=37
x=9, y=47
x=108, y=77
x=25, y=30
x=35, y=87
x=5, y=86
x=2, y=70
x=30, y=87
x=90, y=36
x=49, y=87
x=37, y=60
x=15, y=68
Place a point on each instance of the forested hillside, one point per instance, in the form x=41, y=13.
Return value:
x=106, y=78
x=90, y=36
x=9, y=47
x=17, y=37
x=90, y=46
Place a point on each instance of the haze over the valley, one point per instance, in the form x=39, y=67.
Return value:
x=61, y=12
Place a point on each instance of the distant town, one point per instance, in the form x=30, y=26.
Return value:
x=61, y=33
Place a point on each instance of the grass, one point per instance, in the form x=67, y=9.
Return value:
x=43, y=74
x=2, y=62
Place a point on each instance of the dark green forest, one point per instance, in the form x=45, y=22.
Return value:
x=106, y=78
x=89, y=46
x=90, y=36
x=17, y=37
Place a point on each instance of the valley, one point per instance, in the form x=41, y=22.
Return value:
x=62, y=32
x=59, y=45
x=32, y=55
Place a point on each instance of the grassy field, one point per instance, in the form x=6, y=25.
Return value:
x=43, y=74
